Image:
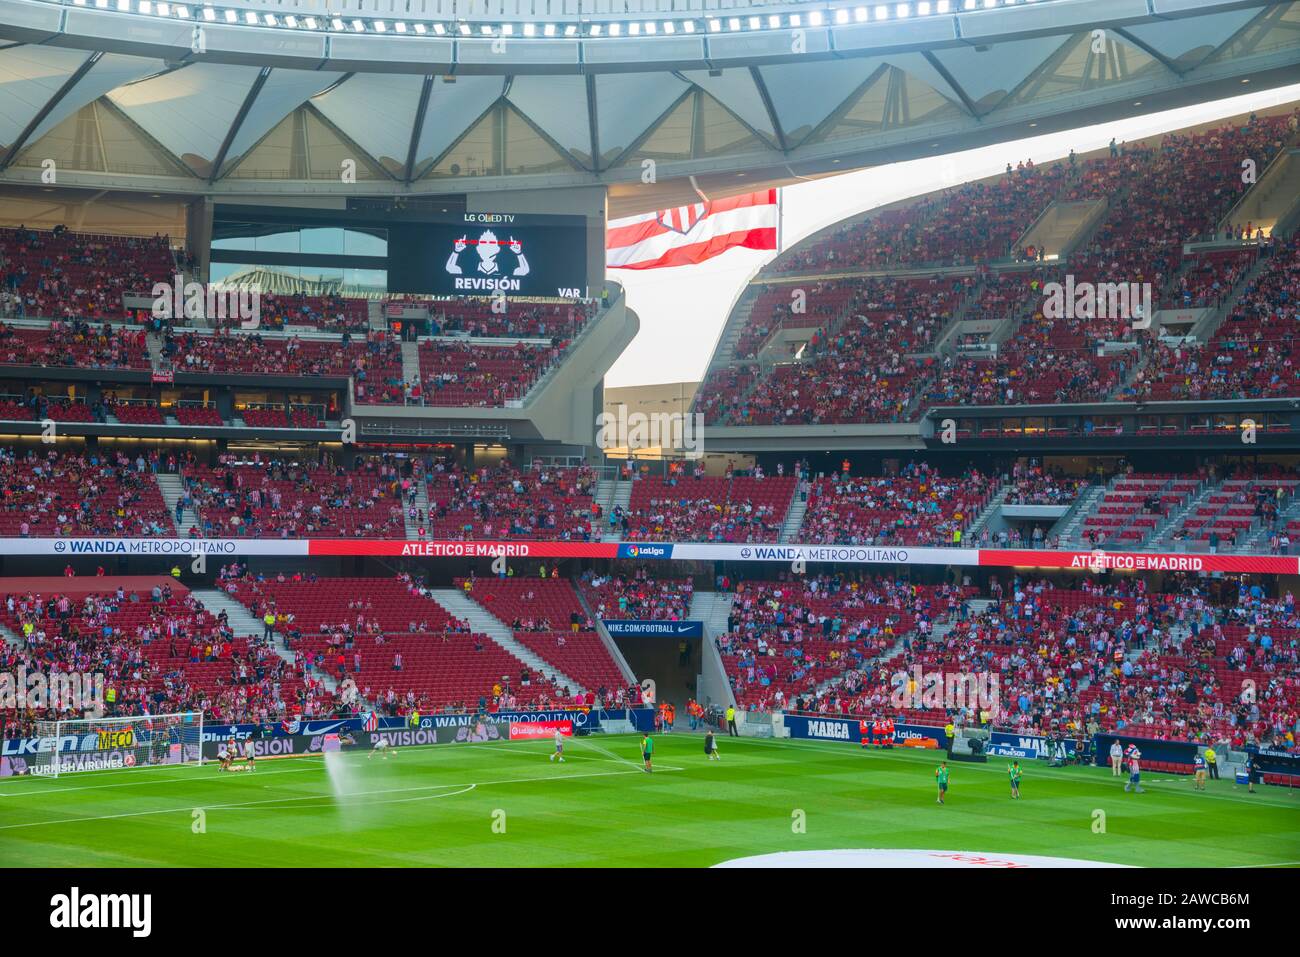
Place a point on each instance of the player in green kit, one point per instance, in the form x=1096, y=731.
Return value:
x=941, y=775
x=1013, y=772
x=647, y=750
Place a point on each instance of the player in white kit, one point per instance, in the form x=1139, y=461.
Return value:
x=379, y=745
x=559, y=746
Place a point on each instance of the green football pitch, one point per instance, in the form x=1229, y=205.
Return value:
x=506, y=804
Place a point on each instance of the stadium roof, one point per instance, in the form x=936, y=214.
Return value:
x=125, y=94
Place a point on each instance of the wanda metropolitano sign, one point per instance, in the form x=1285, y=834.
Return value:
x=218, y=548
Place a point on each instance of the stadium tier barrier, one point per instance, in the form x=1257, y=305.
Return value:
x=181, y=550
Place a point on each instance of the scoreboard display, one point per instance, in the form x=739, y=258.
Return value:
x=418, y=251
x=483, y=254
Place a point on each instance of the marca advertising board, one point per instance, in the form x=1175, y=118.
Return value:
x=848, y=730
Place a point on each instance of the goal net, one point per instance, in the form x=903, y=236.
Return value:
x=97, y=744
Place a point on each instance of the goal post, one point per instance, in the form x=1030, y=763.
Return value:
x=99, y=744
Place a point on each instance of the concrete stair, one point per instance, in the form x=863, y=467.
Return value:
x=1257, y=540
x=242, y=621
x=943, y=342
x=971, y=535
x=622, y=495
x=483, y=622
x=605, y=493
x=712, y=608
x=172, y=488
x=939, y=631
x=10, y=638
x=1069, y=527
x=154, y=343
x=793, y=518
x=1163, y=535
x=245, y=624
x=422, y=504
x=725, y=351
x=410, y=362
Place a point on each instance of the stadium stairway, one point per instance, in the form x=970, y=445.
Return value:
x=943, y=342
x=483, y=622
x=412, y=526
x=713, y=608
x=604, y=497
x=243, y=623
x=725, y=350
x=10, y=637
x=1162, y=537
x=1258, y=539
x=410, y=362
x=1069, y=527
x=154, y=343
x=169, y=483
x=989, y=510
x=622, y=496
x=794, y=517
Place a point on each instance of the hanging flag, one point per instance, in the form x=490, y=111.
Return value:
x=371, y=723
x=691, y=234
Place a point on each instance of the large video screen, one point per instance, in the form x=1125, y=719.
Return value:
x=419, y=251
x=482, y=254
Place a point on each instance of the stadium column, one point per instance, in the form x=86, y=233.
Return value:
x=198, y=233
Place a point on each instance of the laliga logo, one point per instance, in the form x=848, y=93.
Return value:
x=634, y=551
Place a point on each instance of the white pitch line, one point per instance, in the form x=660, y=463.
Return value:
x=312, y=797
x=328, y=800
x=1238, y=867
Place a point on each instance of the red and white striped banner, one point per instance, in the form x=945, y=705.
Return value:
x=691, y=234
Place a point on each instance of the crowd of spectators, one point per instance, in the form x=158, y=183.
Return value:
x=49, y=494
x=918, y=506
x=159, y=651
x=287, y=499
x=60, y=274
x=503, y=500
